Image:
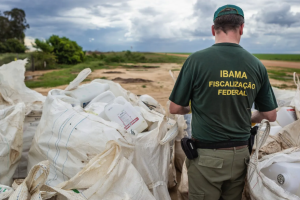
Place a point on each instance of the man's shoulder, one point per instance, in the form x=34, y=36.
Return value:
x=204, y=53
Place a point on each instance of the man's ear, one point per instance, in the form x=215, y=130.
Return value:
x=241, y=29
x=213, y=30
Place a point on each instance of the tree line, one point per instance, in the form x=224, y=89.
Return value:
x=55, y=49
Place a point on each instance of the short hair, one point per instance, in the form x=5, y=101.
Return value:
x=228, y=22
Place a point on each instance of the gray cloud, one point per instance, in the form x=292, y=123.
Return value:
x=148, y=26
x=278, y=14
x=149, y=11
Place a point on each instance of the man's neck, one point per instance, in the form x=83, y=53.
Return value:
x=230, y=37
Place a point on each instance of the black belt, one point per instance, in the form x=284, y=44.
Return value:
x=218, y=145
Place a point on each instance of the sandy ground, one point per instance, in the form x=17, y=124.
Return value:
x=155, y=82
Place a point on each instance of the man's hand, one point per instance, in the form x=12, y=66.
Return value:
x=177, y=109
x=257, y=116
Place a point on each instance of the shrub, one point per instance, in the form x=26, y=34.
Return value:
x=3, y=48
x=14, y=46
x=41, y=57
x=65, y=50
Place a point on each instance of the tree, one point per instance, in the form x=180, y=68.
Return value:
x=13, y=25
x=13, y=45
x=43, y=46
x=17, y=24
x=65, y=50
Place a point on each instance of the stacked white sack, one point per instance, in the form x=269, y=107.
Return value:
x=69, y=138
x=11, y=131
x=12, y=91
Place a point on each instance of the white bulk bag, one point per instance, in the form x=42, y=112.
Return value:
x=5, y=191
x=33, y=188
x=109, y=175
x=283, y=97
x=261, y=187
x=296, y=99
x=11, y=131
x=69, y=138
x=12, y=91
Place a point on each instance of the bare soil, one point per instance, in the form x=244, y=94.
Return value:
x=156, y=82
x=131, y=80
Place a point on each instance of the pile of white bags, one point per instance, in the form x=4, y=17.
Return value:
x=108, y=175
x=260, y=186
x=13, y=91
x=11, y=131
x=70, y=138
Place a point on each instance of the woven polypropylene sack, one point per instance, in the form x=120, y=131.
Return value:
x=296, y=99
x=33, y=188
x=12, y=91
x=283, y=97
x=11, y=132
x=109, y=175
x=261, y=187
x=286, y=138
x=69, y=138
x=183, y=188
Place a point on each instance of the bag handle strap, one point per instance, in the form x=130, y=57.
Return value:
x=296, y=76
x=172, y=76
x=261, y=141
x=170, y=135
x=80, y=77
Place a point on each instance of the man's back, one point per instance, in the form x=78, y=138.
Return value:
x=222, y=82
x=225, y=82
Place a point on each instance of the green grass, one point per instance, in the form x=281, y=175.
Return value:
x=64, y=76
x=144, y=86
x=283, y=57
x=283, y=74
x=174, y=70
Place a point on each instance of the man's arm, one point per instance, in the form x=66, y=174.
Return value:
x=257, y=116
x=177, y=109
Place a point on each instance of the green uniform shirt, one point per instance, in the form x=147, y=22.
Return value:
x=222, y=83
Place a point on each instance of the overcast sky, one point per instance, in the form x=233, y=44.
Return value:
x=271, y=26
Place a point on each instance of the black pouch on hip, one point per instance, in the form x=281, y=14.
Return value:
x=189, y=148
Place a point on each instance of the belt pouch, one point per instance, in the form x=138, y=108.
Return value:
x=189, y=148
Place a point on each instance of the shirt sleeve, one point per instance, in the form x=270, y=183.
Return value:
x=183, y=88
x=265, y=100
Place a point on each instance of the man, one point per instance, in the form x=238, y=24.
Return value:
x=222, y=82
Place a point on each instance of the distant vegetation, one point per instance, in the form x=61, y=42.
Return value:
x=12, y=27
x=96, y=60
x=283, y=57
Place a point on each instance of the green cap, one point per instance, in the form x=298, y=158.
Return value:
x=222, y=11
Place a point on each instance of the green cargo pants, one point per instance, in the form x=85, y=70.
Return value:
x=217, y=174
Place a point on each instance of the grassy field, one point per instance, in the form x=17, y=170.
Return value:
x=131, y=61
x=280, y=57
x=67, y=73
x=283, y=57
